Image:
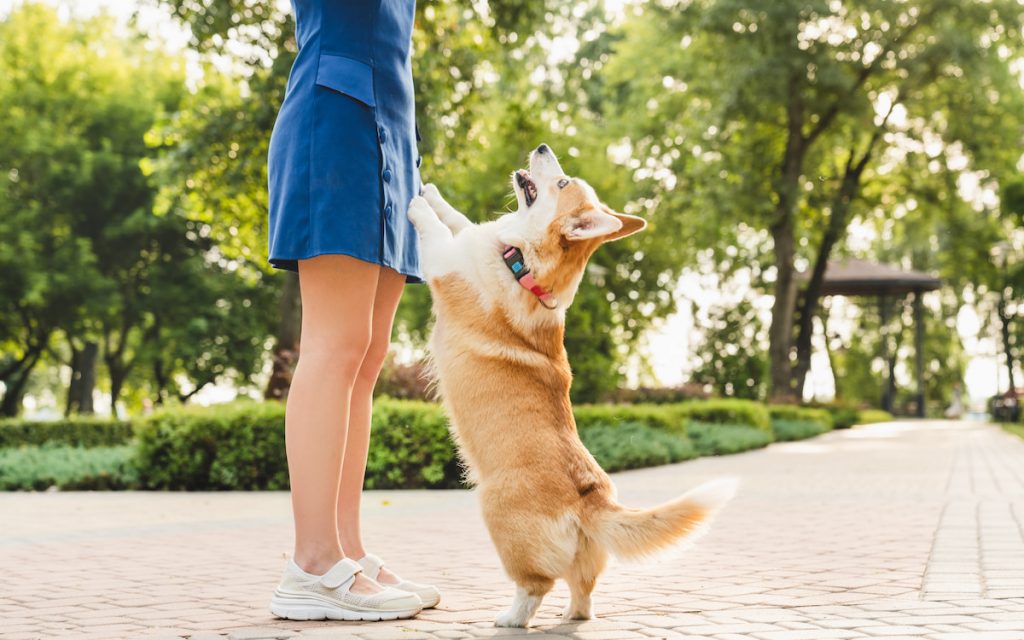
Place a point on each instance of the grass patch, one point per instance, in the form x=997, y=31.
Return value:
x=633, y=445
x=41, y=467
x=789, y=430
x=871, y=416
x=1015, y=429
x=714, y=439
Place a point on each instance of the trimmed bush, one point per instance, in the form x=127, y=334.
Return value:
x=633, y=445
x=80, y=432
x=727, y=411
x=797, y=413
x=869, y=416
x=658, y=416
x=410, y=447
x=788, y=430
x=242, y=446
x=42, y=467
x=844, y=415
x=713, y=439
x=231, y=446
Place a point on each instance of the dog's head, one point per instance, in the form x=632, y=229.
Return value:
x=560, y=222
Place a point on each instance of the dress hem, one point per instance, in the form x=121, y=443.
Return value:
x=292, y=264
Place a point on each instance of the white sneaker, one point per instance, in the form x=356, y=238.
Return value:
x=304, y=596
x=428, y=593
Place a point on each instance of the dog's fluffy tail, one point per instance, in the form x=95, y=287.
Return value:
x=635, y=533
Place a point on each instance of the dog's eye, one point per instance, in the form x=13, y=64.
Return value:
x=563, y=182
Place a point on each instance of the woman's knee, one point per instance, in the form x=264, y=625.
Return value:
x=336, y=360
x=373, y=361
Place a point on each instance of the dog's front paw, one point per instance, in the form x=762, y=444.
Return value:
x=510, y=618
x=432, y=194
x=420, y=211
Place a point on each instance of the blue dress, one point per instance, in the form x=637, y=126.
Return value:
x=343, y=162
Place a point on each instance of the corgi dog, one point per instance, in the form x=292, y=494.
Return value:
x=500, y=290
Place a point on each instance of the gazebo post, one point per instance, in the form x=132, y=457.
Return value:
x=883, y=312
x=919, y=350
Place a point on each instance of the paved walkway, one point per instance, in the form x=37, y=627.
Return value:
x=901, y=530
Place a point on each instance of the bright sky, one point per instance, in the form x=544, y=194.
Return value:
x=669, y=345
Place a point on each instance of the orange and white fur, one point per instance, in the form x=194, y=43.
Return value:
x=503, y=376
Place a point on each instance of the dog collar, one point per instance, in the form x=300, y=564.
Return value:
x=517, y=265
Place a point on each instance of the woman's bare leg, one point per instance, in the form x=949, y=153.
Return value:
x=389, y=290
x=337, y=310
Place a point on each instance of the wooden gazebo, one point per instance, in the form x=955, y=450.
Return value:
x=859, y=278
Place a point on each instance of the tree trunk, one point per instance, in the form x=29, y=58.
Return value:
x=826, y=310
x=15, y=384
x=780, y=332
x=837, y=222
x=1004, y=320
x=787, y=191
x=83, y=378
x=286, y=350
x=117, y=378
x=160, y=378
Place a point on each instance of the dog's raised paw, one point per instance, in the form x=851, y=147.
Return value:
x=419, y=210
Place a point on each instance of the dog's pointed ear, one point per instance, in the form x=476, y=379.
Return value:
x=602, y=223
x=589, y=224
x=630, y=225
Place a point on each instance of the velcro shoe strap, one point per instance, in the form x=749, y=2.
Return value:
x=340, y=573
x=372, y=565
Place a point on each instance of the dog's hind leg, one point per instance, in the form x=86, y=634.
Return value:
x=588, y=564
x=449, y=215
x=529, y=595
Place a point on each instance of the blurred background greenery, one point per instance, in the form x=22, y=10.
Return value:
x=758, y=138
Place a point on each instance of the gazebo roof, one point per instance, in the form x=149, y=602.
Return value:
x=850, y=277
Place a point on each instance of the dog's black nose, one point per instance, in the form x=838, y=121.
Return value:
x=543, y=148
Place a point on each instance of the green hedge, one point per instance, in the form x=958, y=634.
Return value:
x=788, y=430
x=410, y=447
x=41, y=467
x=634, y=445
x=727, y=411
x=658, y=416
x=233, y=446
x=844, y=415
x=79, y=432
x=869, y=416
x=242, y=446
x=793, y=412
x=713, y=439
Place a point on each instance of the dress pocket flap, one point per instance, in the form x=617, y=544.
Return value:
x=351, y=77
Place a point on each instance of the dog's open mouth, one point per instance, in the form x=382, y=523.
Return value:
x=526, y=184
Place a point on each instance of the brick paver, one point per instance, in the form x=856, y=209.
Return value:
x=901, y=530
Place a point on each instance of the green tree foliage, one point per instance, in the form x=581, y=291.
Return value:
x=777, y=115
x=88, y=259
x=731, y=357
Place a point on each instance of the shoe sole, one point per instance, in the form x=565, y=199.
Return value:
x=293, y=607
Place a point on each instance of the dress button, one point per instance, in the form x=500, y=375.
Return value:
x=419, y=159
x=387, y=175
x=387, y=211
x=383, y=134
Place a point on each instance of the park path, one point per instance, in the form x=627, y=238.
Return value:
x=897, y=530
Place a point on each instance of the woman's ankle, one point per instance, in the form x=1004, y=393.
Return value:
x=317, y=561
